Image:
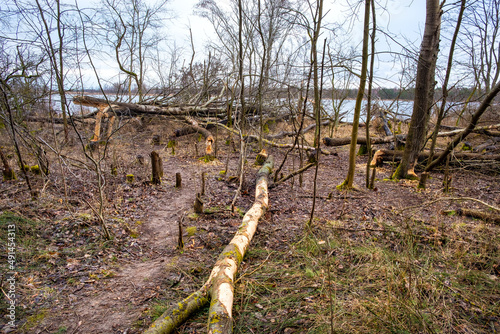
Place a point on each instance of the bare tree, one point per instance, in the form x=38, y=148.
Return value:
x=424, y=90
x=132, y=29
x=348, y=183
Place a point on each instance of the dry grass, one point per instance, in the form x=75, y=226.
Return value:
x=422, y=277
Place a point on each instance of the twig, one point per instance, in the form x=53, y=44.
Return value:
x=451, y=199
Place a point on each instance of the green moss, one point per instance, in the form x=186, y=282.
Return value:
x=310, y=273
x=222, y=172
x=34, y=320
x=265, y=128
x=193, y=216
x=130, y=178
x=26, y=168
x=207, y=158
x=363, y=150
x=35, y=169
x=343, y=185
x=191, y=230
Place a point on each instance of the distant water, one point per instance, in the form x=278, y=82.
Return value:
x=402, y=109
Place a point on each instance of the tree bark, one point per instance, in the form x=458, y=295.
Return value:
x=221, y=280
x=388, y=155
x=8, y=173
x=486, y=216
x=348, y=183
x=472, y=124
x=424, y=90
x=157, y=166
x=209, y=139
x=132, y=109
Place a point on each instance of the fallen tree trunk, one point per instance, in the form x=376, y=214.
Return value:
x=389, y=139
x=220, y=283
x=388, y=155
x=485, y=104
x=138, y=109
x=209, y=139
x=361, y=140
x=485, y=216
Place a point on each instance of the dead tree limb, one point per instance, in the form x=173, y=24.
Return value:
x=283, y=134
x=220, y=283
x=485, y=216
x=292, y=174
x=472, y=124
x=388, y=155
x=209, y=139
x=137, y=109
x=362, y=140
x=253, y=138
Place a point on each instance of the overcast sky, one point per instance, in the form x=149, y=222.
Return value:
x=401, y=17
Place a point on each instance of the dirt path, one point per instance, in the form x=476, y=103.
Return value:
x=114, y=305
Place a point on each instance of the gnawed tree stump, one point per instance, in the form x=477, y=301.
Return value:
x=178, y=180
x=220, y=283
x=8, y=173
x=261, y=158
x=157, y=168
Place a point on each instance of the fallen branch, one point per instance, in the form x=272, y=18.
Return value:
x=253, y=138
x=209, y=139
x=137, y=109
x=486, y=216
x=292, y=174
x=221, y=280
x=389, y=155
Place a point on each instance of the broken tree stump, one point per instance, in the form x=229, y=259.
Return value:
x=198, y=204
x=8, y=173
x=178, y=180
x=157, y=168
x=261, y=157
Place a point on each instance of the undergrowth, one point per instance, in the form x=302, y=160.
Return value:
x=420, y=277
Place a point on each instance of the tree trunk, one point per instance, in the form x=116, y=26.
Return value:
x=348, y=183
x=157, y=167
x=424, y=90
x=8, y=173
x=209, y=139
x=221, y=279
x=473, y=122
x=388, y=155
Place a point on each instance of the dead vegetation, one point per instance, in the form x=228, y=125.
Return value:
x=374, y=261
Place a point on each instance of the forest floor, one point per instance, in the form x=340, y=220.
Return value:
x=382, y=260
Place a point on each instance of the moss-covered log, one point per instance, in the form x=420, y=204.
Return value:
x=220, y=284
x=220, y=319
